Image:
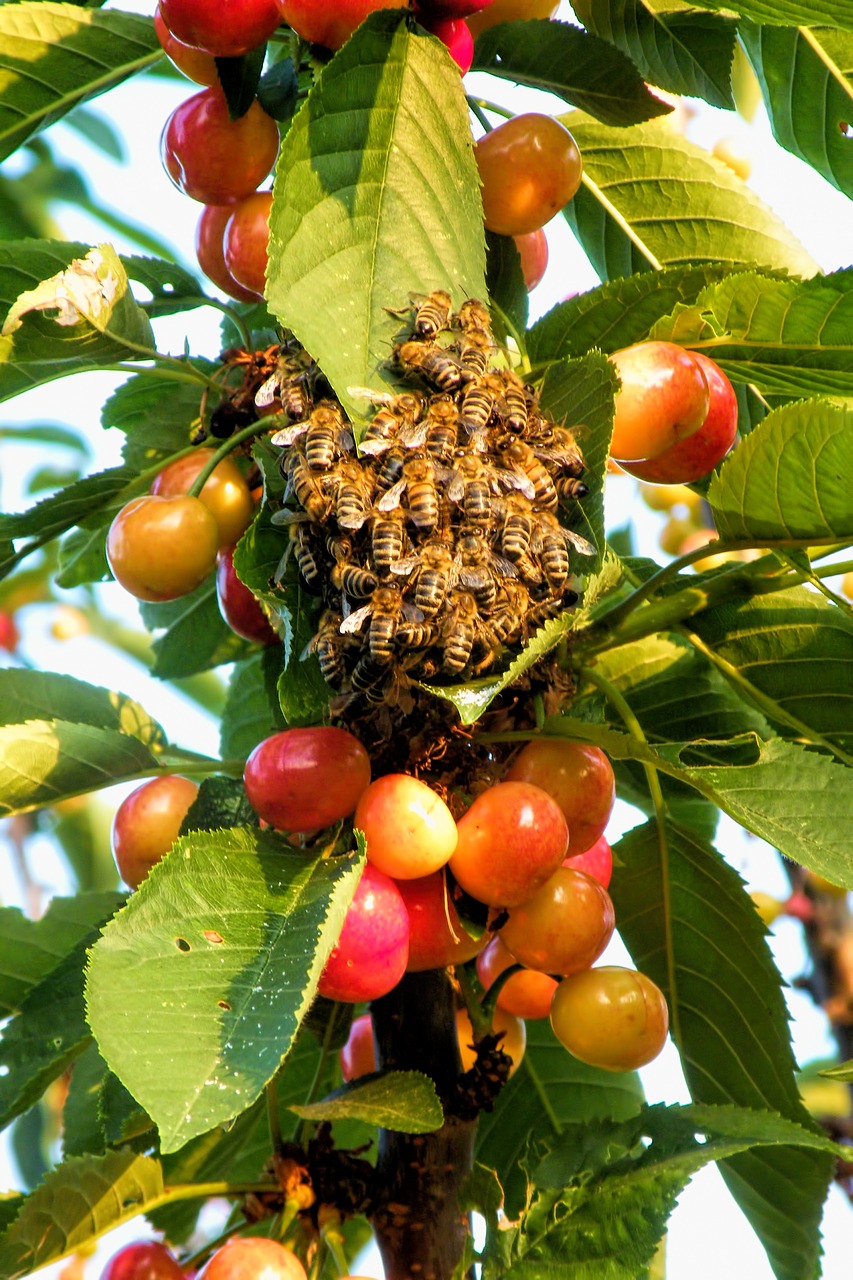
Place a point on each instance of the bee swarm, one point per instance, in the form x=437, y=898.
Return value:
x=435, y=543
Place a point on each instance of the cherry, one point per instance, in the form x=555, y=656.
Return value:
x=253, y=1258
x=564, y=927
x=450, y=8
x=610, y=1017
x=527, y=994
x=437, y=937
x=511, y=841
x=371, y=953
x=246, y=242
x=513, y=1043
x=213, y=158
x=142, y=1260
x=530, y=168
x=596, y=861
x=160, y=548
x=10, y=636
x=223, y=29
x=510, y=11
x=533, y=251
x=225, y=492
x=210, y=251
x=329, y=22
x=696, y=455
x=146, y=825
x=579, y=777
x=238, y=605
x=358, y=1055
x=409, y=829
x=663, y=398
x=194, y=63
x=302, y=779
x=456, y=35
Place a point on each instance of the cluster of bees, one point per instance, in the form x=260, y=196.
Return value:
x=435, y=541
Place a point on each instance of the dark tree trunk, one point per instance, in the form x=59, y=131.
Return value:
x=419, y=1226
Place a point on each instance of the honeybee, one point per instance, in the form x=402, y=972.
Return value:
x=433, y=314
x=353, y=489
x=569, y=488
x=304, y=483
x=518, y=526
x=416, y=635
x=435, y=573
x=551, y=542
x=545, y=610
x=479, y=567
x=514, y=402
x=304, y=553
x=475, y=350
x=370, y=679
x=471, y=486
x=396, y=420
x=561, y=448
x=436, y=365
x=459, y=631
x=354, y=581
x=521, y=459
x=328, y=645
x=325, y=434
x=419, y=479
x=289, y=383
x=507, y=618
x=388, y=539
x=478, y=402
x=390, y=470
x=385, y=609
x=441, y=428
x=473, y=315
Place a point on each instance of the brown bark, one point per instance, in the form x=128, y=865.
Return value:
x=419, y=1227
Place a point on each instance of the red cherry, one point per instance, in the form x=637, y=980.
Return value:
x=533, y=251
x=437, y=937
x=142, y=1260
x=238, y=605
x=456, y=34
x=371, y=953
x=253, y=1258
x=210, y=251
x=194, y=63
x=579, y=777
x=246, y=240
x=564, y=927
x=358, y=1056
x=224, y=28
x=10, y=636
x=213, y=158
x=527, y=994
x=663, y=399
x=302, y=779
x=596, y=861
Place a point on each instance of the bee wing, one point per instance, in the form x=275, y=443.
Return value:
x=405, y=567
x=289, y=434
x=516, y=480
x=356, y=620
x=413, y=434
x=580, y=544
x=267, y=391
x=373, y=448
x=411, y=614
x=372, y=394
x=287, y=517
x=391, y=499
x=345, y=440
x=456, y=487
x=504, y=566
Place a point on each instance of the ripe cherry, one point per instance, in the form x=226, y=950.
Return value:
x=194, y=63
x=329, y=24
x=302, y=779
x=143, y=1260
x=596, y=861
x=210, y=251
x=238, y=605
x=246, y=241
x=579, y=777
x=371, y=953
x=213, y=158
x=526, y=994
x=533, y=252
x=225, y=492
x=437, y=937
x=225, y=30
x=513, y=1042
x=510, y=11
x=160, y=548
x=358, y=1055
x=610, y=1017
x=663, y=399
x=253, y=1258
x=530, y=167
x=511, y=841
x=692, y=458
x=456, y=35
x=146, y=825
x=564, y=927
x=10, y=636
x=410, y=831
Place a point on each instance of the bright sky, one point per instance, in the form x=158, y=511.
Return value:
x=708, y=1235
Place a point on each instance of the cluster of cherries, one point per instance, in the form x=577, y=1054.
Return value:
x=530, y=167
x=240, y=1258
x=531, y=848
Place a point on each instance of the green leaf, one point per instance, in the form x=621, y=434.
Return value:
x=82, y=553
x=599, y=1206
x=45, y=433
x=786, y=13
x=196, y=636
x=796, y=649
x=796, y=461
x=252, y=710
x=30, y=949
x=584, y=71
x=33, y=695
x=55, y=56
x=505, y=282
x=806, y=77
x=617, y=313
x=173, y=288
x=649, y=198
x=691, y=927
x=378, y=169
x=789, y=338
x=550, y=1091
x=72, y=505
x=221, y=803
x=43, y=761
x=82, y=1133
x=682, y=50
x=226, y=940
x=74, y=1205
x=156, y=417
x=404, y=1101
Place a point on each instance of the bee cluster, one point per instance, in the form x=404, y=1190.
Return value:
x=435, y=543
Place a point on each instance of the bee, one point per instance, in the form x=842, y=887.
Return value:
x=353, y=487
x=419, y=479
x=475, y=350
x=545, y=610
x=514, y=402
x=435, y=573
x=309, y=490
x=551, y=542
x=339, y=546
x=328, y=645
x=385, y=609
x=390, y=470
x=473, y=315
x=304, y=553
x=459, y=632
x=433, y=315
x=523, y=460
x=561, y=449
x=478, y=402
x=370, y=679
x=441, y=428
x=569, y=488
x=387, y=539
x=479, y=567
x=396, y=420
x=437, y=366
x=290, y=383
x=416, y=635
x=518, y=526
x=507, y=618
x=325, y=435
x=471, y=485
x=354, y=581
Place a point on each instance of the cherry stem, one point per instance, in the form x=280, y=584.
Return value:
x=473, y=994
x=479, y=106
x=333, y=1240
x=228, y=446
x=490, y=999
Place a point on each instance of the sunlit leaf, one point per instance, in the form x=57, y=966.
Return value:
x=404, y=1101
